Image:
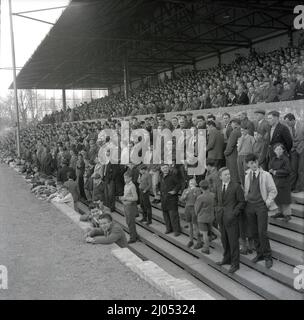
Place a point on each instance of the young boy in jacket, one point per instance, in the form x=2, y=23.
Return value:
x=204, y=210
x=129, y=200
x=145, y=185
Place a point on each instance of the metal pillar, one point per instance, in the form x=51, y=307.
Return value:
x=63, y=100
x=173, y=72
x=126, y=78
x=194, y=64
x=290, y=38
x=15, y=76
x=219, y=58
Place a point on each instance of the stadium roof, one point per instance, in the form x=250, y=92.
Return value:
x=88, y=44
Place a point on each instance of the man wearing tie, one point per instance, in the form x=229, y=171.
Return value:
x=229, y=204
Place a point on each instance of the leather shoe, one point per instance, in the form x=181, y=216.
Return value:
x=233, y=269
x=257, y=259
x=205, y=251
x=222, y=263
x=132, y=241
x=148, y=223
x=277, y=215
x=176, y=234
x=244, y=251
x=268, y=263
x=168, y=231
x=190, y=244
x=143, y=220
x=198, y=245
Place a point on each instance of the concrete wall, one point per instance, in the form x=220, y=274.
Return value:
x=296, y=107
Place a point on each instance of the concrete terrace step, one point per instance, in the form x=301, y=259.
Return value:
x=254, y=280
x=298, y=197
x=288, y=237
x=280, y=251
x=282, y=272
x=210, y=276
x=147, y=253
x=297, y=210
x=295, y=224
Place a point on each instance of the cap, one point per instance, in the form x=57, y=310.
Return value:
x=204, y=184
x=275, y=113
x=236, y=120
x=260, y=111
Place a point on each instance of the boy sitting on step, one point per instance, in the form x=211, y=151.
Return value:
x=65, y=197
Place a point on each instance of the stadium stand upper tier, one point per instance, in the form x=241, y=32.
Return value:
x=260, y=77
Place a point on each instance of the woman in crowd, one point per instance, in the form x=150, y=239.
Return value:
x=279, y=167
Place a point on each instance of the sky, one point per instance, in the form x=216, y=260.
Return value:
x=28, y=34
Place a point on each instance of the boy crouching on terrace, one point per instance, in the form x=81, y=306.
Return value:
x=108, y=232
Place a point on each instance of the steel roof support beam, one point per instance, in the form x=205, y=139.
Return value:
x=38, y=10
x=43, y=21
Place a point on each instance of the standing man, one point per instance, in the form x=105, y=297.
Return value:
x=231, y=153
x=129, y=200
x=296, y=129
x=279, y=133
x=229, y=203
x=169, y=188
x=215, y=146
x=260, y=192
x=145, y=186
x=263, y=128
x=111, y=173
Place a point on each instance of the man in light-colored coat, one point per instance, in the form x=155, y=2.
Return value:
x=260, y=192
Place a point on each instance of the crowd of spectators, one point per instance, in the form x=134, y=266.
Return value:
x=251, y=168
x=259, y=77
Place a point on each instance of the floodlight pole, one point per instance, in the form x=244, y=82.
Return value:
x=126, y=77
x=15, y=76
x=63, y=100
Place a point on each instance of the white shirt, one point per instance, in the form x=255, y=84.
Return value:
x=224, y=185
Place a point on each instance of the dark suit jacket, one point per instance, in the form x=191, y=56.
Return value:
x=264, y=129
x=169, y=183
x=231, y=206
x=63, y=172
x=215, y=146
x=299, y=90
x=114, y=173
x=242, y=99
x=282, y=135
x=111, y=171
x=231, y=148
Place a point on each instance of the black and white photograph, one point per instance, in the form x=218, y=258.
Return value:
x=151, y=153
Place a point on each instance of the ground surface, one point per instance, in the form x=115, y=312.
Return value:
x=46, y=257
